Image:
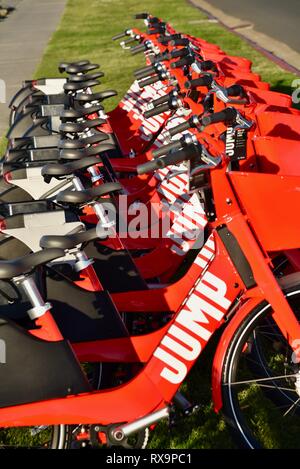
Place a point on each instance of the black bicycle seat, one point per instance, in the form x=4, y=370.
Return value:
x=82, y=142
x=82, y=85
x=73, y=114
x=60, y=170
x=24, y=265
x=77, y=154
x=62, y=67
x=75, y=68
x=82, y=78
x=86, y=98
x=72, y=240
x=88, y=195
x=79, y=127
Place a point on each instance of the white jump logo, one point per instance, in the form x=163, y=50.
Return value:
x=193, y=317
x=2, y=351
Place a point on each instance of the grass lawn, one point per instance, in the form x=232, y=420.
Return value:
x=85, y=32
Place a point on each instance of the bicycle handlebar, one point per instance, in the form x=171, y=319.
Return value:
x=190, y=123
x=173, y=158
x=206, y=80
x=179, y=53
x=235, y=90
x=163, y=99
x=120, y=35
x=149, y=81
x=207, y=65
x=188, y=60
x=165, y=39
x=180, y=42
x=137, y=49
x=157, y=110
x=149, y=68
x=164, y=149
x=141, y=16
x=226, y=115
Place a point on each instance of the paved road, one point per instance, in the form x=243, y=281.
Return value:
x=279, y=19
x=24, y=35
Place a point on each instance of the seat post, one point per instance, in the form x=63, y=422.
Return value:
x=39, y=307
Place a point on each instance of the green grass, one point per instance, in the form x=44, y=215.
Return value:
x=85, y=32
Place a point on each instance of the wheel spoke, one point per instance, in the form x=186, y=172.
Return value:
x=257, y=380
x=293, y=406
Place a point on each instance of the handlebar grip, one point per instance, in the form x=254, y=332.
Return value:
x=146, y=73
x=226, y=115
x=207, y=65
x=182, y=62
x=147, y=167
x=151, y=32
x=161, y=100
x=120, y=35
x=235, y=90
x=141, y=16
x=154, y=19
x=149, y=81
x=206, y=80
x=176, y=157
x=157, y=110
x=180, y=42
x=180, y=128
x=137, y=49
x=149, y=68
x=166, y=148
x=162, y=57
x=165, y=39
x=129, y=41
x=179, y=53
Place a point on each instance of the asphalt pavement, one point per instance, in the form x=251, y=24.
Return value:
x=24, y=35
x=276, y=18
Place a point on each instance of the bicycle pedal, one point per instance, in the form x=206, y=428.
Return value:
x=182, y=409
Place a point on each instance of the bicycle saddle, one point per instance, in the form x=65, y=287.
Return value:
x=57, y=169
x=88, y=76
x=80, y=85
x=72, y=240
x=62, y=67
x=77, y=154
x=78, y=127
x=24, y=265
x=85, y=98
x=82, y=142
x=88, y=195
x=75, y=68
x=70, y=114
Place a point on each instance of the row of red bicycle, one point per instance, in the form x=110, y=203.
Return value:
x=129, y=238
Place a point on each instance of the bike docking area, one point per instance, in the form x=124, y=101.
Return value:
x=129, y=238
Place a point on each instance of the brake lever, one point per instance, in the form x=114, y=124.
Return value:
x=222, y=94
x=123, y=43
x=175, y=173
x=211, y=162
x=242, y=123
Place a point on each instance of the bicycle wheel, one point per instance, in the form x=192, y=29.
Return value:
x=261, y=382
x=39, y=437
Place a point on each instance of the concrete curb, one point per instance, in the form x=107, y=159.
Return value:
x=279, y=53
